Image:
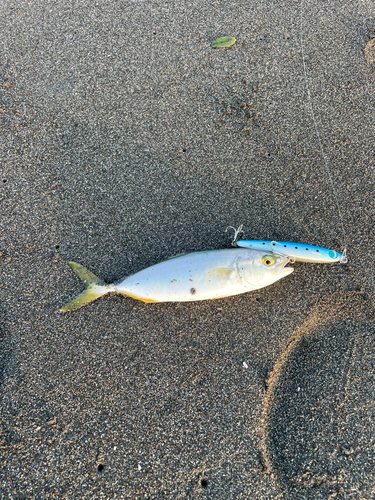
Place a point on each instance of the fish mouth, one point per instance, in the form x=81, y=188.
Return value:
x=285, y=271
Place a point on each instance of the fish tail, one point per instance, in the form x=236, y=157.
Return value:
x=95, y=288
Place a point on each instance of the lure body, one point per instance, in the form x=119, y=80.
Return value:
x=195, y=276
x=296, y=251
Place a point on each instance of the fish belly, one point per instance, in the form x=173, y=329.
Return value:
x=191, y=277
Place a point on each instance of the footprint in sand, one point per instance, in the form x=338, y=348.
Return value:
x=319, y=418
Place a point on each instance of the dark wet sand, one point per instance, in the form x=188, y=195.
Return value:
x=126, y=139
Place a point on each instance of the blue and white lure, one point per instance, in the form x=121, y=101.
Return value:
x=296, y=251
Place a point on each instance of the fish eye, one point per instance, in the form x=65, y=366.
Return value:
x=268, y=260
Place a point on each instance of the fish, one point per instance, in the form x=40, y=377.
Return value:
x=296, y=251
x=203, y=275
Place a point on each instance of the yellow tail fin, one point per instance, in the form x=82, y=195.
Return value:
x=95, y=288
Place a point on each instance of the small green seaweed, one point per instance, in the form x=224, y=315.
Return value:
x=225, y=41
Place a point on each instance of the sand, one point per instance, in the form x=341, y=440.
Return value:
x=126, y=139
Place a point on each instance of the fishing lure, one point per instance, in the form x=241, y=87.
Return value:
x=296, y=251
x=194, y=276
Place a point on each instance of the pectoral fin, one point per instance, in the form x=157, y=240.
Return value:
x=221, y=272
x=220, y=276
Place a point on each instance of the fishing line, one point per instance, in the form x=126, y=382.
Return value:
x=344, y=257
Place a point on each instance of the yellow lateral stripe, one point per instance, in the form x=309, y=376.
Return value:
x=138, y=298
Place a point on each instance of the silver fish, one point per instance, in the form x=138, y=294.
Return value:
x=194, y=276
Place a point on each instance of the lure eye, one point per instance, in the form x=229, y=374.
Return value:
x=268, y=260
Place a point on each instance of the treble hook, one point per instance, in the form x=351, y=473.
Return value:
x=236, y=233
x=344, y=258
